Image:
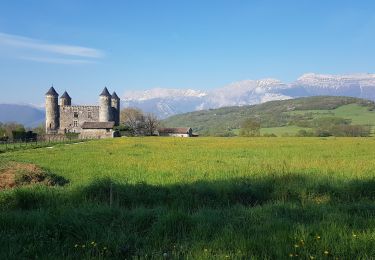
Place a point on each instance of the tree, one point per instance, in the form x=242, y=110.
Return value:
x=250, y=127
x=39, y=130
x=6, y=129
x=151, y=124
x=133, y=119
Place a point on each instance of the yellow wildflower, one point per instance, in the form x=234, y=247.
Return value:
x=326, y=252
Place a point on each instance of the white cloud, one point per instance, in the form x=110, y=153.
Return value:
x=51, y=53
x=58, y=60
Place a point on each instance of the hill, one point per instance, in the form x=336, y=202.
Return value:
x=283, y=116
x=27, y=115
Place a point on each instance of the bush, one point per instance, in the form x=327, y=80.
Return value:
x=4, y=139
x=269, y=135
x=304, y=133
x=72, y=135
x=225, y=134
x=351, y=130
x=24, y=136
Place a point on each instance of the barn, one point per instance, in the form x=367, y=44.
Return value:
x=176, y=132
x=97, y=130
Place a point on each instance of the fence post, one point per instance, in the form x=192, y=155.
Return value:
x=110, y=195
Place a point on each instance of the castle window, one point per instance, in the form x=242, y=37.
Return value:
x=75, y=123
x=89, y=115
x=76, y=114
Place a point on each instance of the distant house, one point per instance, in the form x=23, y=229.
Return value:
x=97, y=130
x=177, y=132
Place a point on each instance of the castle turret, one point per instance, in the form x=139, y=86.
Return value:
x=52, y=111
x=65, y=99
x=115, y=102
x=105, y=108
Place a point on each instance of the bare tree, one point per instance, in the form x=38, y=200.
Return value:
x=133, y=118
x=151, y=124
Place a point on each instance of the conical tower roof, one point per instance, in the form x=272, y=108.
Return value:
x=66, y=95
x=114, y=96
x=52, y=92
x=105, y=92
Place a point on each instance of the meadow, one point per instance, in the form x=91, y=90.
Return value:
x=197, y=198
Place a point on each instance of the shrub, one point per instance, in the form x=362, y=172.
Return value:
x=269, y=135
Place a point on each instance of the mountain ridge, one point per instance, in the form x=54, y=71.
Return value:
x=168, y=102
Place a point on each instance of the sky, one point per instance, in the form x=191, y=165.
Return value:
x=83, y=45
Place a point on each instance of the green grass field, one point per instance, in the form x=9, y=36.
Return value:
x=359, y=115
x=198, y=198
x=291, y=130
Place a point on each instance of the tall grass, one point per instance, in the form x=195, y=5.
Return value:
x=203, y=198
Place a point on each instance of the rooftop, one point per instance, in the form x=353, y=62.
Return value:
x=98, y=125
x=114, y=95
x=176, y=130
x=52, y=92
x=105, y=92
x=66, y=95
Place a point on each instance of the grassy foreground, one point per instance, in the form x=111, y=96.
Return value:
x=199, y=198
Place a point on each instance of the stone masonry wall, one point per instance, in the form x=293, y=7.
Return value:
x=72, y=117
x=95, y=133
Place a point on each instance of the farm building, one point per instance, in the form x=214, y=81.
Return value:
x=177, y=132
x=97, y=129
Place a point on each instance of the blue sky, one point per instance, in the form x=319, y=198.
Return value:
x=82, y=46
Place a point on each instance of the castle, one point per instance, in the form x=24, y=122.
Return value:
x=88, y=121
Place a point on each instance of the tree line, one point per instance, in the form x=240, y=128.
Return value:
x=319, y=127
x=18, y=132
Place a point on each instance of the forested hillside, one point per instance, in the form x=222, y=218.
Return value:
x=278, y=117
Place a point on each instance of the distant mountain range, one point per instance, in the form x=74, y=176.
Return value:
x=27, y=115
x=168, y=102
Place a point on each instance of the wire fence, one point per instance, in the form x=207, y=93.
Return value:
x=16, y=145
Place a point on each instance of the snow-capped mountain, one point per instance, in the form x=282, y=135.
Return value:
x=163, y=93
x=166, y=102
x=356, y=85
x=245, y=92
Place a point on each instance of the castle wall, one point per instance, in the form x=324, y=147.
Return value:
x=72, y=117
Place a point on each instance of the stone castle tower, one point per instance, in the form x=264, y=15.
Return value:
x=52, y=111
x=64, y=118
